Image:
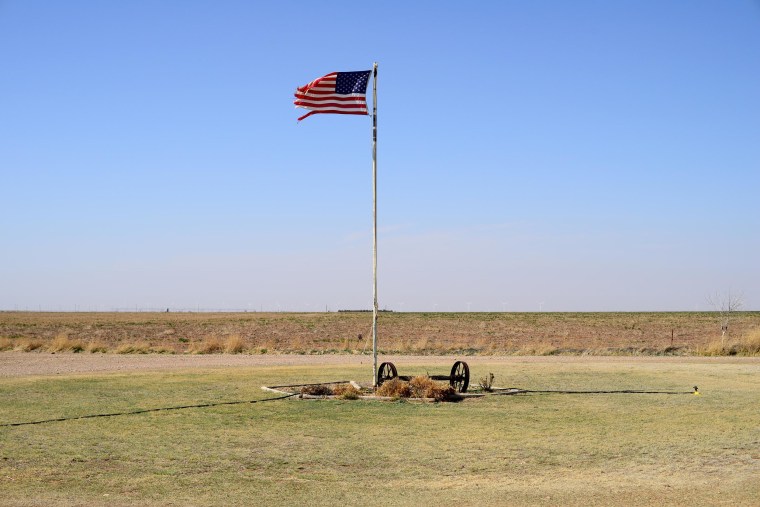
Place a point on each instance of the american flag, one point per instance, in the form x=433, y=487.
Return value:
x=335, y=93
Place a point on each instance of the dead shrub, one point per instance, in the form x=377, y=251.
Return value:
x=6, y=343
x=211, y=345
x=418, y=387
x=394, y=388
x=235, y=344
x=486, y=383
x=346, y=391
x=425, y=387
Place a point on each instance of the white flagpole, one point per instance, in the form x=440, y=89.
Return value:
x=374, y=224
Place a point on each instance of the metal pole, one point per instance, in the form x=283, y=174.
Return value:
x=374, y=225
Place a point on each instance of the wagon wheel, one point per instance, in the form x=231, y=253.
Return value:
x=460, y=377
x=386, y=371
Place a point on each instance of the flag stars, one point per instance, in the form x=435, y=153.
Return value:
x=352, y=82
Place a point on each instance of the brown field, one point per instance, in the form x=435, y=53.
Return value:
x=682, y=333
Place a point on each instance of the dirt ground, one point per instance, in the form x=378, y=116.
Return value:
x=22, y=364
x=539, y=333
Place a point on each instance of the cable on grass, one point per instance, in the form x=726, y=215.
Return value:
x=497, y=391
x=516, y=390
x=145, y=411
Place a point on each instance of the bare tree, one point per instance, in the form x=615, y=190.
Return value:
x=726, y=304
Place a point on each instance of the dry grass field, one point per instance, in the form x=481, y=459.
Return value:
x=545, y=333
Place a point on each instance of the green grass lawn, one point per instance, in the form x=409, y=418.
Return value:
x=601, y=449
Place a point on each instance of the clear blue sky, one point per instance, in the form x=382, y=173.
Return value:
x=532, y=155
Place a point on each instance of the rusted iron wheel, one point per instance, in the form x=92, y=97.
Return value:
x=460, y=377
x=386, y=371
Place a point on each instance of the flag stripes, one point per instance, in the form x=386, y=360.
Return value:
x=335, y=93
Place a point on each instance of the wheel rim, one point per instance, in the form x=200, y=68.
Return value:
x=386, y=371
x=460, y=377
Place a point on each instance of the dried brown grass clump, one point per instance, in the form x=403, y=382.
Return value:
x=133, y=348
x=139, y=348
x=748, y=345
x=235, y=344
x=715, y=348
x=317, y=390
x=425, y=387
x=29, y=345
x=62, y=343
x=162, y=349
x=418, y=387
x=394, y=388
x=6, y=343
x=96, y=346
x=484, y=345
x=347, y=392
x=298, y=345
x=210, y=345
x=420, y=346
x=539, y=349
